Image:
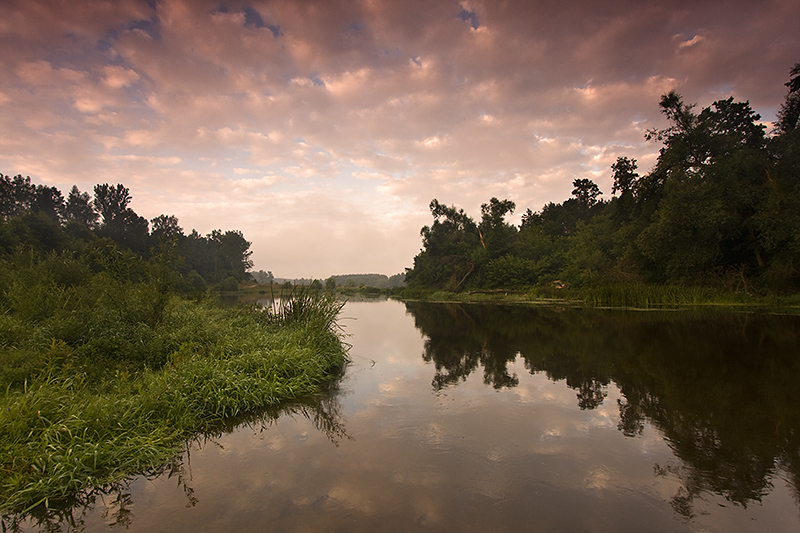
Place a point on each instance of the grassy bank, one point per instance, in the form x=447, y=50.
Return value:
x=73, y=417
x=617, y=296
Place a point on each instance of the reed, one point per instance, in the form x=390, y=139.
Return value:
x=306, y=305
x=654, y=296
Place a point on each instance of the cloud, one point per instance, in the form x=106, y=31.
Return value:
x=377, y=106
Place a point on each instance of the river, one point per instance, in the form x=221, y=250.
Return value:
x=508, y=418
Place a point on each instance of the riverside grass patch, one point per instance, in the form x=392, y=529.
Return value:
x=67, y=426
x=630, y=296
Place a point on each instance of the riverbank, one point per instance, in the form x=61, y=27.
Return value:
x=611, y=296
x=69, y=424
x=624, y=296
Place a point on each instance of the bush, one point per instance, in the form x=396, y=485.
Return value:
x=228, y=284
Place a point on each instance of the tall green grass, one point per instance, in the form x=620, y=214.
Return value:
x=654, y=296
x=622, y=295
x=322, y=409
x=305, y=305
x=66, y=426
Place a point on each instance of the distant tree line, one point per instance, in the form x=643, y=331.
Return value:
x=39, y=218
x=380, y=281
x=263, y=278
x=721, y=207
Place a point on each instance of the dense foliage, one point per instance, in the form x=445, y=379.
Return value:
x=106, y=368
x=720, y=208
x=96, y=390
x=380, y=281
x=37, y=217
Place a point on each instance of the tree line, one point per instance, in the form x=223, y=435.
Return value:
x=721, y=207
x=39, y=218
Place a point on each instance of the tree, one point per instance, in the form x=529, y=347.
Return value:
x=79, y=208
x=585, y=191
x=789, y=113
x=711, y=178
x=625, y=176
x=231, y=254
x=450, y=250
x=626, y=181
x=263, y=278
x=19, y=195
x=165, y=227
x=497, y=237
x=111, y=202
x=529, y=219
x=397, y=280
x=732, y=126
x=120, y=222
x=694, y=141
x=130, y=231
x=16, y=195
x=48, y=200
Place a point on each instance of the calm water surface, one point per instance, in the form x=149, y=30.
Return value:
x=501, y=418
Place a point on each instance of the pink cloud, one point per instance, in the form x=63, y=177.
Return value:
x=230, y=121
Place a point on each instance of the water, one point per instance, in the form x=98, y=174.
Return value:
x=499, y=418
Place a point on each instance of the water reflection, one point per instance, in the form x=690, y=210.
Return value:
x=116, y=501
x=721, y=388
x=513, y=419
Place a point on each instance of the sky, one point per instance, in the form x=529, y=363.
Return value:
x=323, y=129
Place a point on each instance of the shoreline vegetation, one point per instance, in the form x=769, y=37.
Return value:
x=70, y=425
x=630, y=297
x=641, y=297
x=114, y=352
x=618, y=296
x=716, y=217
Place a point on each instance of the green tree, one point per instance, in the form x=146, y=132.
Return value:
x=119, y=222
x=79, y=208
x=48, y=200
x=625, y=176
x=713, y=177
x=789, y=113
x=397, y=280
x=231, y=253
x=263, y=278
x=111, y=202
x=694, y=141
x=585, y=191
x=451, y=250
x=166, y=227
x=16, y=195
x=497, y=236
x=626, y=181
x=130, y=231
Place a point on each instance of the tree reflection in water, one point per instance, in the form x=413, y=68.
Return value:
x=324, y=411
x=721, y=387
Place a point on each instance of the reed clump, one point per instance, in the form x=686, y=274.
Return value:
x=655, y=296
